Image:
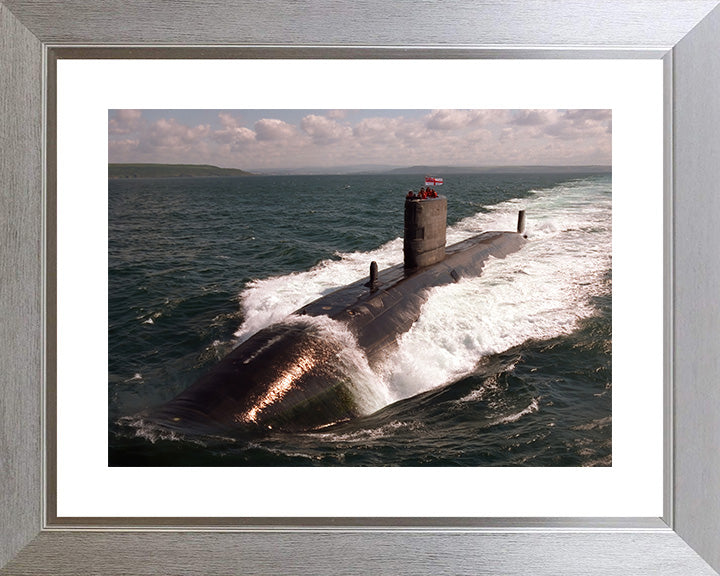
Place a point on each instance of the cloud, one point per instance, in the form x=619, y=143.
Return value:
x=447, y=119
x=169, y=133
x=399, y=138
x=585, y=116
x=273, y=129
x=122, y=147
x=337, y=114
x=125, y=121
x=324, y=130
x=231, y=132
x=580, y=125
x=461, y=119
x=128, y=115
x=228, y=120
x=532, y=117
x=379, y=129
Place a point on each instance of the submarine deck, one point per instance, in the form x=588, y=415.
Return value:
x=399, y=293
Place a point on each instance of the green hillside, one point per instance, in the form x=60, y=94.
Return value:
x=171, y=171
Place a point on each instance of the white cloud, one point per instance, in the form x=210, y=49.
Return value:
x=404, y=138
x=169, y=133
x=532, y=117
x=232, y=132
x=337, y=114
x=462, y=119
x=580, y=125
x=122, y=147
x=228, y=121
x=125, y=121
x=128, y=115
x=273, y=129
x=376, y=126
x=324, y=130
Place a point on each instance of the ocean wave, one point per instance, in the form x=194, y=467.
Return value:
x=389, y=429
x=139, y=427
x=534, y=406
x=595, y=424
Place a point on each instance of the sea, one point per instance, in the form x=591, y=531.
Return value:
x=509, y=368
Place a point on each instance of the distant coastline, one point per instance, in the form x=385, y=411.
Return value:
x=435, y=170
x=116, y=171
x=589, y=169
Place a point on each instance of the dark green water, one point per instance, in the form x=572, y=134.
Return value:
x=511, y=368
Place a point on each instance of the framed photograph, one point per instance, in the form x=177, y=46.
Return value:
x=434, y=393
x=351, y=182
x=98, y=481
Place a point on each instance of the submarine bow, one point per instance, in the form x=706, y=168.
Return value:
x=290, y=376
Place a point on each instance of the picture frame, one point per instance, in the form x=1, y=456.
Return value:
x=684, y=34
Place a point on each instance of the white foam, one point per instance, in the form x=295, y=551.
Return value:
x=154, y=433
x=268, y=301
x=367, y=434
x=534, y=406
x=370, y=392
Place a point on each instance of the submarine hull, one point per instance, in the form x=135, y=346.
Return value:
x=285, y=377
x=289, y=376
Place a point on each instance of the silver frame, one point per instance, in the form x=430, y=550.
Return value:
x=683, y=33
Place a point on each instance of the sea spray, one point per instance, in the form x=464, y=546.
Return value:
x=270, y=300
x=370, y=392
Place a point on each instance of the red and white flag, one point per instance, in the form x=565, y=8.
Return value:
x=430, y=181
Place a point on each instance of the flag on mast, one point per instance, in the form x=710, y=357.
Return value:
x=431, y=181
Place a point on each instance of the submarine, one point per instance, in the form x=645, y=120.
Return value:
x=289, y=376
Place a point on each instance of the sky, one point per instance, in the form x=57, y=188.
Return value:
x=268, y=140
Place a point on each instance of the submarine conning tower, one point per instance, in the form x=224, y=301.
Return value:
x=425, y=223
